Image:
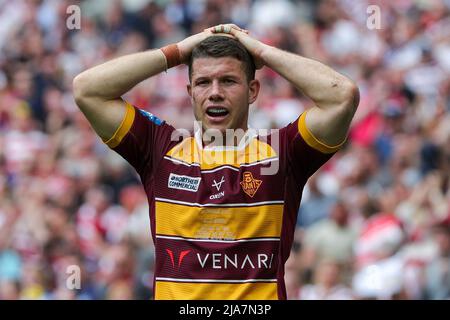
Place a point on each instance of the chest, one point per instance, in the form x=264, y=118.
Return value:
x=224, y=184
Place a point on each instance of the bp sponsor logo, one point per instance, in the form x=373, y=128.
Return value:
x=183, y=182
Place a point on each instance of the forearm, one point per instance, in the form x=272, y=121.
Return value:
x=335, y=96
x=326, y=87
x=112, y=79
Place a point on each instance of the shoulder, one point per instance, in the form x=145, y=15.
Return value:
x=150, y=117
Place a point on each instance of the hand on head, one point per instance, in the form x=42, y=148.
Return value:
x=231, y=30
x=225, y=29
x=242, y=35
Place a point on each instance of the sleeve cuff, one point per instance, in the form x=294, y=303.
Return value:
x=124, y=127
x=312, y=141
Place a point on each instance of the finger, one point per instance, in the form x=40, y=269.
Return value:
x=225, y=28
x=232, y=25
x=229, y=35
x=208, y=30
x=237, y=32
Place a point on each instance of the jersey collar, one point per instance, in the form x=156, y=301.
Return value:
x=249, y=135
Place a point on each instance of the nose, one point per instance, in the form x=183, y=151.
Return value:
x=216, y=93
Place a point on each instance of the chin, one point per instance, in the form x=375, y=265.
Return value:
x=216, y=128
x=222, y=128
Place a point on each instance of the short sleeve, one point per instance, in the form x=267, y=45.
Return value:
x=142, y=139
x=305, y=153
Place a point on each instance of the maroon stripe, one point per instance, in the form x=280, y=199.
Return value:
x=210, y=187
x=213, y=260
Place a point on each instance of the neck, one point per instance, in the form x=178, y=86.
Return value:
x=224, y=138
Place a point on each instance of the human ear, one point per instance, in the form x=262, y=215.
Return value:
x=189, y=89
x=253, y=90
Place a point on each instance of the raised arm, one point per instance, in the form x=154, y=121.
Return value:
x=335, y=96
x=97, y=91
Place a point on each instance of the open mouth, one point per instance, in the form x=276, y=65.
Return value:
x=216, y=112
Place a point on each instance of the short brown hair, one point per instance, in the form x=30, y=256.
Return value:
x=222, y=46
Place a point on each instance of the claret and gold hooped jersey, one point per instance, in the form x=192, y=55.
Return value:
x=222, y=219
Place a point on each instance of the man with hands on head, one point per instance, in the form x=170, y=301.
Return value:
x=222, y=228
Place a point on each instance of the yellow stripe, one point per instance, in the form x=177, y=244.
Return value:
x=215, y=291
x=218, y=223
x=124, y=127
x=186, y=151
x=189, y=152
x=312, y=141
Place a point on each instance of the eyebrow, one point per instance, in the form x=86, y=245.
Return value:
x=226, y=76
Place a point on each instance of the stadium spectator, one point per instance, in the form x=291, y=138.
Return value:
x=437, y=272
x=327, y=284
x=331, y=238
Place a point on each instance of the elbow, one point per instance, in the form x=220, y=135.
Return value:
x=351, y=96
x=79, y=89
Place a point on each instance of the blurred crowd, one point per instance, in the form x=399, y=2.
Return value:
x=374, y=222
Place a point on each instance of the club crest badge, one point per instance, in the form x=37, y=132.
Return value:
x=249, y=184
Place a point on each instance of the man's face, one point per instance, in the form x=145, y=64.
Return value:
x=220, y=93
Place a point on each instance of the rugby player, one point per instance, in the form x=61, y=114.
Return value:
x=222, y=211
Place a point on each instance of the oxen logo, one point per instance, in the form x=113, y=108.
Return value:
x=218, y=185
x=249, y=184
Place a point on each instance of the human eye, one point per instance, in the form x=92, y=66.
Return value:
x=229, y=81
x=201, y=82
